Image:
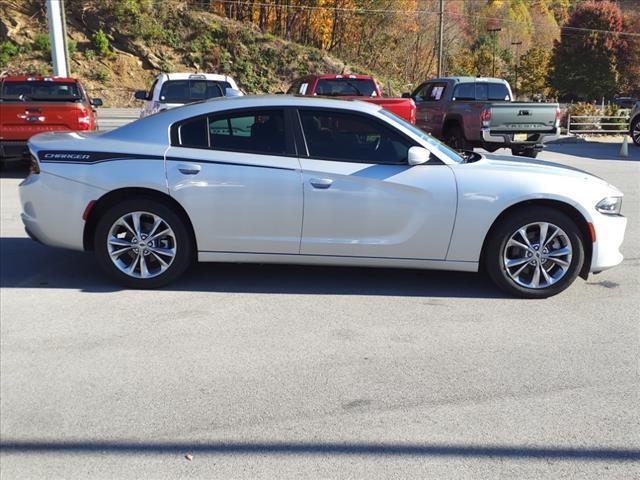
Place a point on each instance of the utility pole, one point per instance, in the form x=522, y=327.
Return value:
x=440, y=37
x=493, y=34
x=515, y=83
x=57, y=36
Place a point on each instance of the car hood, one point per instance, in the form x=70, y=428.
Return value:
x=530, y=166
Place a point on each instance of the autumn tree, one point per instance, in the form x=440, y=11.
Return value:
x=534, y=66
x=629, y=55
x=584, y=62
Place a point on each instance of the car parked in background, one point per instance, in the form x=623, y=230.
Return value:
x=358, y=87
x=634, y=124
x=625, y=102
x=309, y=180
x=34, y=104
x=468, y=112
x=170, y=90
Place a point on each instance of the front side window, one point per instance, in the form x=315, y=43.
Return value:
x=261, y=132
x=352, y=138
x=431, y=92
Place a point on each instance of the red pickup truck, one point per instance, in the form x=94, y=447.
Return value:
x=358, y=87
x=35, y=104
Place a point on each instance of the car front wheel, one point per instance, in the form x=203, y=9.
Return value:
x=535, y=253
x=635, y=131
x=143, y=243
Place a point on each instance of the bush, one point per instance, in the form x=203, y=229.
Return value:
x=8, y=50
x=582, y=108
x=619, y=124
x=72, y=46
x=101, y=43
x=101, y=75
x=89, y=54
x=42, y=43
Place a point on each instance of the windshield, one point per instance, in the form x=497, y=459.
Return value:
x=187, y=91
x=338, y=87
x=41, y=90
x=436, y=144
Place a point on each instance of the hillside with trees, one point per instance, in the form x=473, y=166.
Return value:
x=553, y=44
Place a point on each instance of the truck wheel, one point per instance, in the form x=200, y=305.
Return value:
x=525, y=152
x=454, y=137
x=635, y=131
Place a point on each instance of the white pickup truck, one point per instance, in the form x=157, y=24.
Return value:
x=175, y=89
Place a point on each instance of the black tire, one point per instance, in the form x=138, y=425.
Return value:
x=454, y=137
x=182, y=242
x=525, y=152
x=497, y=243
x=634, y=131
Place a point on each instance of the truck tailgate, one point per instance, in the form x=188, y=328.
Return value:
x=403, y=107
x=22, y=120
x=523, y=117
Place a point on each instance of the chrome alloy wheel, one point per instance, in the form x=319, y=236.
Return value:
x=537, y=255
x=141, y=244
x=635, y=134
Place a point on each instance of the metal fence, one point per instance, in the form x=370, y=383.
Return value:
x=605, y=124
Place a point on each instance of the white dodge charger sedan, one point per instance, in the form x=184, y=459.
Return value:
x=313, y=181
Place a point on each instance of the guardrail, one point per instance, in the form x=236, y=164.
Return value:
x=623, y=127
x=110, y=118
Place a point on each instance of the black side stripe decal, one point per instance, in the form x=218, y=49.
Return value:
x=90, y=158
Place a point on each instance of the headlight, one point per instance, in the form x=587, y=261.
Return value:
x=610, y=205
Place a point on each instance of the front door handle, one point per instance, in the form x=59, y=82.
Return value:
x=189, y=169
x=322, y=183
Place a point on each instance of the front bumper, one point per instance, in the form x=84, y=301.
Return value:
x=609, y=236
x=507, y=138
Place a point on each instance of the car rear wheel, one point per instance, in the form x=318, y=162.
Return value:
x=534, y=253
x=143, y=243
x=635, y=131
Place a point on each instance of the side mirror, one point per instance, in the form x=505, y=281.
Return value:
x=418, y=156
x=140, y=95
x=406, y=95
x=96, y=102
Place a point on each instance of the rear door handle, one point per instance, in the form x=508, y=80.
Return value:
x=322, y=183
x=189, y=169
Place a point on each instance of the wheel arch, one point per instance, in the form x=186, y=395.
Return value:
x=452, y=121
x=116, y=196
x=569, y=210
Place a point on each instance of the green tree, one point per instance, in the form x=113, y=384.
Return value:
x=584, y=62
x=533, y=72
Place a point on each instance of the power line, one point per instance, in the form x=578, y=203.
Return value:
x=417, y=12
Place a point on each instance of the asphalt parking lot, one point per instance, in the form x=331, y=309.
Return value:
x=255, y=371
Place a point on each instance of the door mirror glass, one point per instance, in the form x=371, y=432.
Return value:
x=418, y=156
x=140, y=95
x=96, y=102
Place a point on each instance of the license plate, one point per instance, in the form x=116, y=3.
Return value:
x=520, y=137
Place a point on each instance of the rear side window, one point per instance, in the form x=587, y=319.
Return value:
x=350, y=137
x=465, y=91
x=261, y=132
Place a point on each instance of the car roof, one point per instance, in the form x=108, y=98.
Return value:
x=469, y=79
x=198, y=75
x=37, y=78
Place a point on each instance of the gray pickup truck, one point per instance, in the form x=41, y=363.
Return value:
x=467, y=112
